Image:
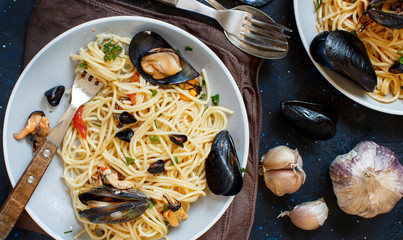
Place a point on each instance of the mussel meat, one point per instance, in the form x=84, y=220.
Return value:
x=54, y=95
x=390, y=17
x=125, y=135
x=157, y=61
x=109, y=205
x=344, y=53
x=315, y=120
x=223, y=172
x=37, y=127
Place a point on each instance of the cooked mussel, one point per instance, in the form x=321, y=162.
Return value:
x=178, y=139
x=110, y=205
x=37, y=127
x=125, y=135
x=157, y=167
x=223, y=172
x=315, y=120
x=390, y=17
x=396, y=68
x=157, y=61
x=344, y=53
x=54, y=95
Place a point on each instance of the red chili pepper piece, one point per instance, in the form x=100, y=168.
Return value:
x=79, y=123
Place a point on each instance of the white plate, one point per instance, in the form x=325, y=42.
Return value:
x=305, y=17
x=50, y=205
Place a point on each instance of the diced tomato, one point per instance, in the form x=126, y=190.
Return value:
x=79, y=122
x=135, y=78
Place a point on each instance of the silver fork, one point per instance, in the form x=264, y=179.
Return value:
x=84, y=88
x=245, y=26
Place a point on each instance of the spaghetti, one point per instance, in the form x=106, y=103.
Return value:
x=383, y=44
x=160, y=112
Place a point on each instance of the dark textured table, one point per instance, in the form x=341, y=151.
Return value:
x=293, y=77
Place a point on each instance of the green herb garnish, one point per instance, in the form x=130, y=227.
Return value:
x=354, y=32
x=155, y=123
x=400, y=60
x=319, y=3
x=111, y=51
x=166, y=208
x=83, y=65
x=153, y=92
x=205, y=109
x=151, y=203
x=154, y=139
x=176, y=160
x=50, y=111
x=178, y=51
x=243, y=170
x=202, y=96
x=129, y=161
x=203, y=83
x=188, y=48
x=215, y=99
x=68, y=231
x=96, y=124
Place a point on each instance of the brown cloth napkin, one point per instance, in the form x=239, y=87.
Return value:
x=52, y=17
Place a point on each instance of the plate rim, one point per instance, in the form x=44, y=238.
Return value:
x=324, y=71
x=125, y=18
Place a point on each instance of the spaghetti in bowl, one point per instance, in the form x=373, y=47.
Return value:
x=55, y=214
x=307, y=22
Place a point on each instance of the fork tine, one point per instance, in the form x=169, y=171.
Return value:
x=263, y=36
x=276, y=36
x=265, y=24
x=261, y=43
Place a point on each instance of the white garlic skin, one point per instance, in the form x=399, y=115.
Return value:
x=368, y=180
x=283, y=173
x=308, y=215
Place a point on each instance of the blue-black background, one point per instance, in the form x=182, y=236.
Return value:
x=293, y=77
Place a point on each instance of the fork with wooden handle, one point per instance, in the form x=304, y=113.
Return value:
x=85, y=87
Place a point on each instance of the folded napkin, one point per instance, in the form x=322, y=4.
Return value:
x=52, y=17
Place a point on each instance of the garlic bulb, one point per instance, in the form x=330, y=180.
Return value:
x=308, y=215
x=283, y=171
x=368, y=180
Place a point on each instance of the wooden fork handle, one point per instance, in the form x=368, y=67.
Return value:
x=22, y=192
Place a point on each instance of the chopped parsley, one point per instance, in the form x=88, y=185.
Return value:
x=153, y=92
x=319, y=3
x=111, y=51
x=176, y=160
x=154, y=139
x=188, y=48
x=202, y=96
x=166, y=208
x=83, y=65
x=129, y=161
x=400, y=52
x=151, y=203
x=354, y=32
x=96, y=124
x=155, y=123
x=68, y=231
x=50, y=111
x=205, y=109
x=178, y=51
x=243, y=170
x=203, y=83
x=215, y=99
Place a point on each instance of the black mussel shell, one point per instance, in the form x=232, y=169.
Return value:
x=126, y=118
x=125, y=135
x=386, y=19
x=157, y=167
x=396, y=68
x=314, y=120
x=223, y=172
x=142, y=43
x=54, y=95
x=178, y=139
x=344, y=53
x=127, y=204
x=103, y=192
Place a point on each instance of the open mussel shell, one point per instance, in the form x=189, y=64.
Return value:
x=344, y=53
x=317, y=121
x=145, y=41
x=120, y=205
x=54, y=95
x=223, y=172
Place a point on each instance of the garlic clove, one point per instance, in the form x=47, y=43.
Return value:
x=308, y=215
x=281, y=182
x=368, y=180
x=281, y=157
